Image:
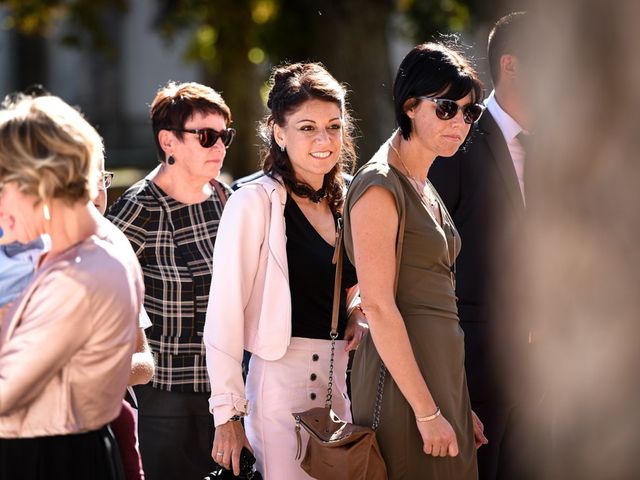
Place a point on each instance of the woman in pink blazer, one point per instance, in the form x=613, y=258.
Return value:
x=66, y=343
x=272, y=287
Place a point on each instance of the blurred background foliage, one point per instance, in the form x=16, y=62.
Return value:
x=236, y=42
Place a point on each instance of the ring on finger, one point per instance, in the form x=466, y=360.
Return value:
x=220, y=454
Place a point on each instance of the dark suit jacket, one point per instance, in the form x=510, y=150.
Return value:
x=480, y=189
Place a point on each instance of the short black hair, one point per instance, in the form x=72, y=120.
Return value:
x=433, y=69
x=508, y=36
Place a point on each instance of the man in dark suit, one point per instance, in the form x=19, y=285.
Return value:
x=483, y=189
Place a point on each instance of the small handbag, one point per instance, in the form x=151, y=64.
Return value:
x=339, y=450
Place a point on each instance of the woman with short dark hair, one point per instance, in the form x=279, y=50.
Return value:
x=171, y=219
x=426, y=426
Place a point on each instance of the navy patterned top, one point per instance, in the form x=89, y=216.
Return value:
x=174, y=243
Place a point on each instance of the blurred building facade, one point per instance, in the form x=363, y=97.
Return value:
x=114, y=91
x=114, y=88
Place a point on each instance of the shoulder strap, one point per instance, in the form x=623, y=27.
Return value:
x=337, y=261
x=221, y=193
x=402, y=217
x=337, y=286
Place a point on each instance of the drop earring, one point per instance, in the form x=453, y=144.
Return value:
x=282, y=148
x=46, y=212
x=171, y=160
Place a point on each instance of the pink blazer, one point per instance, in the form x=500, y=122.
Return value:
x=65, y=348
x=249, y=302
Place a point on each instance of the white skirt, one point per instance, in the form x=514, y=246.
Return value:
x=294, y=383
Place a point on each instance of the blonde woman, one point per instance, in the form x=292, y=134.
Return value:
x=66, y=343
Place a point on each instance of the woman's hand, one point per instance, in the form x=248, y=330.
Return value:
x=438, y=437
x=227, y=445
x=478, y=431
x=357, y=328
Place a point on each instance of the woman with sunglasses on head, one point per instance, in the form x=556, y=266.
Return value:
x=273, y=287
x=427, y=428
x=171, y=219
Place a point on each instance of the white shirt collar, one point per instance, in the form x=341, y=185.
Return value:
x=509, y=127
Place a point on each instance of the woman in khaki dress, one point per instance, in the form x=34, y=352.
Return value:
x=427, y=428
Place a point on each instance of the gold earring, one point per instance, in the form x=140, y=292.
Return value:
x=46, y=212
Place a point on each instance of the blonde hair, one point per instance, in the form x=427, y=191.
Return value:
x=49, y=149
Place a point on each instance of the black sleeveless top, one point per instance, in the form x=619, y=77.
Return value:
x=311, y=278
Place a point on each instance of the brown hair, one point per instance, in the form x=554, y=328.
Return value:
x=49, y=149
x=175, y=103
x=510, y=35
x=291, y=86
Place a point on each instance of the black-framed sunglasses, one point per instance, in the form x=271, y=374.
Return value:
x=446, y=109
x=208, y=136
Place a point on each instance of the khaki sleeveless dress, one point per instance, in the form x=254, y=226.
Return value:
x=426, y=299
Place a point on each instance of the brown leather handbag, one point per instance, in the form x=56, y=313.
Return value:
x=339, y=450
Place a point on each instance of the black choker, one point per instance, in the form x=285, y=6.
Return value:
x=304, y=191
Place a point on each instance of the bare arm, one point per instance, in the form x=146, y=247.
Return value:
x=374, y=220
x=142, y=366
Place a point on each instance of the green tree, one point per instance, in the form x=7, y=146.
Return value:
x=237, y=41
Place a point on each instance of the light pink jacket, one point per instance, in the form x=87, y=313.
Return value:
x=66, y=346
x=249, y=302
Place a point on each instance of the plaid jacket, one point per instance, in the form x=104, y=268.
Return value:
x=174, y=243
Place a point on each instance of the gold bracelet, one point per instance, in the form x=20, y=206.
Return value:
x=428, y=418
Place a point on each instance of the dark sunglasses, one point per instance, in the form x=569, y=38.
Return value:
x=447, y=109
x=208, y=136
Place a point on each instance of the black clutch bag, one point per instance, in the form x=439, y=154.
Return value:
x=247, y=470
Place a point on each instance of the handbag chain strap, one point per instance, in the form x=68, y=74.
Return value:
x=337, y=286
x=377, y=408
